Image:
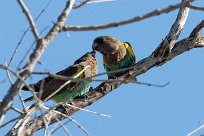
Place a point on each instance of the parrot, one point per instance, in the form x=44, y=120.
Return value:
x=116, y=54
x=84, y=67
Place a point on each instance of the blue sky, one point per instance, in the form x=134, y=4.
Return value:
x=135, y=109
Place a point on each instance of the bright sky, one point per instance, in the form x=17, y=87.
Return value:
x=174, y=110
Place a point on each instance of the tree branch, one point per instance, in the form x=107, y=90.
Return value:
x=196, y=7
x=30, y=19
x=128, y=21
x=197, y=29
x=165, y=47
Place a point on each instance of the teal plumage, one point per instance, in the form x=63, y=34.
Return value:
x=84, y=67
x=69, y=94
x=116, y=54
x=126, y=62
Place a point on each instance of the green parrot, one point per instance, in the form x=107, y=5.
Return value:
x=84, y=67
x=116, y=54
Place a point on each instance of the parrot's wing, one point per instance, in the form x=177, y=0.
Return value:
x=130, y=51
x=53, y=84
x=36, y=87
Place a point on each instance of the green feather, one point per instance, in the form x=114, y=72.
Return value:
x=68, y=95
x=126, y=62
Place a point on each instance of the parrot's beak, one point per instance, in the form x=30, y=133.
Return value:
x=95, y=46
x=93, y=52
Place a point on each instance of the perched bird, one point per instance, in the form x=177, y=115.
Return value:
x=84, y=67
x=116, y=54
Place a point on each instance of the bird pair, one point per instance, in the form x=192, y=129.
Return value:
x=116, y=55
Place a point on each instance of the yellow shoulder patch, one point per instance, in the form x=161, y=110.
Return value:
x=130, y=51
x=79, y=69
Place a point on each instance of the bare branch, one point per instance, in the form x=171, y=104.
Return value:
x=55, y=129
x=97, y=113
x=100, y=80
x=165, y=47
x=22, y=102
x=196, y=7
x=30, y=19
x=15, y=109
x=128, y=21
x=8, y=75
x=25, y=32
x=78, y=5
x=22, y=80
x=34, y=57
x=60, y=23
x=197, y=29
x=64, y=128
x=8, y=122
x=196, y=130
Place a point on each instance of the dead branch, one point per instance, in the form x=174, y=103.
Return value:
x=196, y=7
x=165, y=47
x=127, y=21
x=30, y=19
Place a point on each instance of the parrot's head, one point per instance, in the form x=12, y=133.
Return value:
x=106, y=45
x=89, y=56
x=88, y=59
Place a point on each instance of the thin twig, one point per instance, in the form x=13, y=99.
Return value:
x=8, y=122
x=24, y=57
x=64, y=128
x=15, y=109
x=196, y=7
x=27, y=52
x=80, y=126
x=71, y=119
x=54, y=130
x=22, y=122
x=22, y=102
x=20, y=78
x=30, y=19
x=8, y=75
x=82, y=109
x=101, y=80
x=196, y=130
x=25, y=32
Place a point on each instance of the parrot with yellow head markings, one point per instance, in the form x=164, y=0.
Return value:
x=116, y=54
x=84, y=67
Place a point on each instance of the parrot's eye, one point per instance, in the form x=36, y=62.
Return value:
x=99, y=41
